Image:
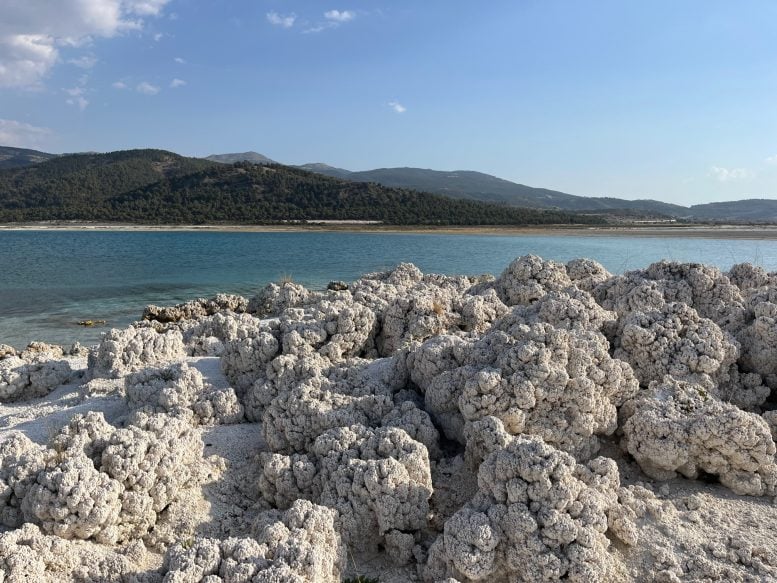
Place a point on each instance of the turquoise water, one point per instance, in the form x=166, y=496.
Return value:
x=51, y=280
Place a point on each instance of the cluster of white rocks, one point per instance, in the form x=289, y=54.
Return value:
x=536, y=426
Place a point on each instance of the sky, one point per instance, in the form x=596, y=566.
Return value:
x=675, y=101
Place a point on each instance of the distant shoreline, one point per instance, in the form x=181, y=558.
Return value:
x=700, y=232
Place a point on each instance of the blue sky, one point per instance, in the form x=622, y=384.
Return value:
x=669, y=100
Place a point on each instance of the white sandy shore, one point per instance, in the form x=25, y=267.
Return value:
x=693, y=231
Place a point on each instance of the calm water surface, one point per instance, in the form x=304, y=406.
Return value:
x=50, y=280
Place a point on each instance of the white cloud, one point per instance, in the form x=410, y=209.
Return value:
x=119, y=85
x=23, y=135
x=729, y=174
x=397, y=106
x=339, y=15
x=772, y=160
x=25, y=59
x=146, y=88
x=146, y=7
x=158, y=36
x=32, y=32
x=79, y=101
x=286, y=21
x=332, y=19
x=85, y=62
x=179, y=60
x=77, y=93
x=318, y=28
x=175, y=83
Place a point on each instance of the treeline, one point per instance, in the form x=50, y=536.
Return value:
x=156, y=187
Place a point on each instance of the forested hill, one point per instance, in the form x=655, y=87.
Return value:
x=85, y=180
x=21, y=157
x=156, y=187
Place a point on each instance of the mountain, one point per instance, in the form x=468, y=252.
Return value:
x=484, y=187
x=158, y=187
x=21, y=157
x=326, y=170
x=252, y=157
x=80, y=180
x=755, y=210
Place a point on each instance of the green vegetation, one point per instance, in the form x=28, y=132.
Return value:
x=20, y=157
x=74, y=184
x=158, y=187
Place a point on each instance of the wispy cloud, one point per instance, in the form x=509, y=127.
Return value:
x=339, y=16
x=31, y=37
x=284, y=21
x=78, y=93
x=23, y=135
x=79, y=101
x=85, y=62
x=175, y=83
x=332, y=19
x=146, y=88
x=729, y=174
x=179, y=60
x=771, y=160
x=119, y=85
x=158, y=36
x=397, y=106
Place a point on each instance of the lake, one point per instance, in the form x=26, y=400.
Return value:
x=49, y=280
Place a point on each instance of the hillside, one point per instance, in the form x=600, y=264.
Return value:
x=82, y=181
x=156, y=187
x=326, y=170
x=248, y=193
x=756, y=210
x=30, y=179
x=484, y=187
x=252, y=157
x=21, y=157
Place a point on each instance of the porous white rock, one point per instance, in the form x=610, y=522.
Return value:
x=559, y=384
x=307, y=408
x=75, y=500
x=747, y=276
x=673, y=341
x=759, y=337
x=196, y=309
x=275, y=298
x=678, y=427
x=528, y=278
x=21, y=460
x=586, y=274
x=378, y=480
x=206, y=336
x=300, y=544
x=27, y=554
x=412, y=307
x=176, y=388
x=124, y=351
x=537, y=516
x=246, y=356
x=702, y=287
x=478, y=312
x=96, y=481
x=31, y=378
x=570, y=308
x=335, y=329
